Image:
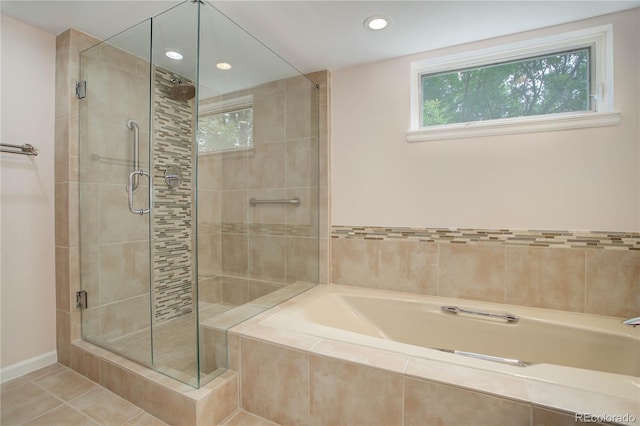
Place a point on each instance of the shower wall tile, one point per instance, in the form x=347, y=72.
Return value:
x=234, y=170
x=63, y=74
x=613, y=283
x=209, y=254
x=262, y=288
x=409, y=266
x=235, y=251
x=546, y=278
x=235, y=291
x=438, y=404
x=268, y=117
x=209, y=211
x=472, y=272
x=267, y=219
x=301, y=162
x=274, y=382
x=233, y=205
x=63, y=336
x=210, y=290
x=266, y=166
x=302, y=260
x=267, y=256
x=124, y=317
x=302, y=219
x=301, y=108
x=346, y=393
x=117, y=224
x=209, y=171
x=124, y=271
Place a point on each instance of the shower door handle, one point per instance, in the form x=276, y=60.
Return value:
x=131, y=187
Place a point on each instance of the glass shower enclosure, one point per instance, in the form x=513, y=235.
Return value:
x=198, y=187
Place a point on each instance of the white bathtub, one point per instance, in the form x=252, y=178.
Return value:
x=592, y=353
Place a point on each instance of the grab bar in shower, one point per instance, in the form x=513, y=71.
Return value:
x=133, y=125
x=26, y=149
x=295, y=201
x=501, y=360
x=130, y=192
x=456, y=310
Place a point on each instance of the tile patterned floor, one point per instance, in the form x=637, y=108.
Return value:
x=57, y=395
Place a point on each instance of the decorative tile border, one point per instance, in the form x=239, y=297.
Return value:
x=528, y=238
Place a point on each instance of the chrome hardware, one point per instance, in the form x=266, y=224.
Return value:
x=456, y=310
x=501, y=360
x=81, y=89
x=133, y=125
x=173, y=176
x=632, y=322
x=295, y=201
x=26, y=149
x=130, y=192
x=81, y=299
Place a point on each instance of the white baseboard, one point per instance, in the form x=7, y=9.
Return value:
x=27, y=366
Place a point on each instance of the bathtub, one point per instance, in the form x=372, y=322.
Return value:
x=572, y=350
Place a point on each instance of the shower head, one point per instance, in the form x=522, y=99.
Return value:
x=181, y=91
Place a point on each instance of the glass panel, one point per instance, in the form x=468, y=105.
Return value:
x=535, y=86
x=175, y=313
x=251, y=256
x=114, y=253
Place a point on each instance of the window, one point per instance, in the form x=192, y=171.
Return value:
x=561, y=81
x=226, y=125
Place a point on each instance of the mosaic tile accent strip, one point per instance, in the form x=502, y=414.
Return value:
x=172, y=214
x=527, y=238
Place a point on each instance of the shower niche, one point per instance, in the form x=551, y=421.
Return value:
x=194, y=140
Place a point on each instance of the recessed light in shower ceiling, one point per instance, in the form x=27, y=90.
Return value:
x=377, y=22
x=223, y=66
x=172, y=54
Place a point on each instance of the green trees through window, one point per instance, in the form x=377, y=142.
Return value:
x=534, y=86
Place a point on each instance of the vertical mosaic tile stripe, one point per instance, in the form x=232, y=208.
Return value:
x=528, y=238
x=172, y=214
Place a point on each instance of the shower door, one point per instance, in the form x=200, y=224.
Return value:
x=115, y=207
x=137, y=186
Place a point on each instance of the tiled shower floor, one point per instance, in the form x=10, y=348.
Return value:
x=174, y=343
x=57, y=395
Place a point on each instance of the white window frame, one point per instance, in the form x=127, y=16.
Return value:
x=598, y=39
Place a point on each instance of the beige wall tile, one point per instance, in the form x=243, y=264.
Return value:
x=63, y=336
x=234, y=209
x=61, y=155
x=350, y=394
x=275, y=382
x=301, y=162
x=62, y=279
x=268, y=119
x=613, y=283
x=62, y=214
x=235, y=253
x=222, y=402
x=209, y=254
x=209, y=172
x=302, y=259
x=266, y=218
x=546, y=278
x=301, y=108
x=410, y=266
x=124, y=271
x=233, y=173
x=209, y=211
x=472, y=272
x=355, y=262
x=235, y=291
x=117, y=224
x=303, y=219
x=124, y=317
x=428, y=403
x=267, y=256
x=210, y=289
x=266, y=166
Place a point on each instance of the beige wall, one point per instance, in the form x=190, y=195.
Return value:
x=28, y=267
x=586, y=179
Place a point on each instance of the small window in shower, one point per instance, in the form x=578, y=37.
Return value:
x=225, y=125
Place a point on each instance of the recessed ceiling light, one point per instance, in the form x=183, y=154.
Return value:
x=223, y=66
x=174, y=55
x=377, y=22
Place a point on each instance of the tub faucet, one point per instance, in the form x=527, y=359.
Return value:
x=633, y=322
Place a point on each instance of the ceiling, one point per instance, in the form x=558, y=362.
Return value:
x=315, y=35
